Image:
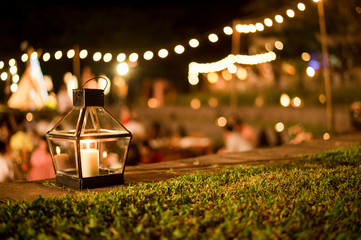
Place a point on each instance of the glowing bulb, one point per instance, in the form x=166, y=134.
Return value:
x=301, y=6
x=163, y=53
x=34, y=55
x=296, y=102
x=179, y=49
x=279, y=45
x=279, y=18
x=13, y=70
x=193, y=43
x=122, y=68
x=213, y=37
x=252, y=28
x=16, y=78
x=12, y=62
x=24, y=57
x=133, y=57
x=221, y=122
x=1, y=64
x=259, y=27
x=4, y=76
x=228, y=30
x=268, y=22
x=285, y=100
x=310, y=71
x=148, y=55
x=97, y=56
x=326, y=136
x=83, y=54
x=290, y=13
x=70, y=53
x=58, y=55
x=232, y=68
x=279, y=127
x=121, y=57
x=153, y=103
x=14, y=87
x=306, y=56
x=107, y=57
x=46, y=57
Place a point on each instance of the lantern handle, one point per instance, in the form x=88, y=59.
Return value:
x=106, y=85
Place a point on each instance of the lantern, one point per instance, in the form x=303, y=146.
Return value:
x=88, y=146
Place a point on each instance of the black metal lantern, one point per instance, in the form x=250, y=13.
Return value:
x=88, y=146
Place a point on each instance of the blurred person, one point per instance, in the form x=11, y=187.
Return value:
x=64, y=101
x=41, y=166
x=21, y=145
x=245, y=130
x=128, y=119
x=6, y=130
x=148, y=154
x=6, y=167
x=234, y=141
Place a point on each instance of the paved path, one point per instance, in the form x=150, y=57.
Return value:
x=162, y=171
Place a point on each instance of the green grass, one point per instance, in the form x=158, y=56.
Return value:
x=314, y=198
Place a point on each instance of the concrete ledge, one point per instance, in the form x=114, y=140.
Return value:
x=20, y=191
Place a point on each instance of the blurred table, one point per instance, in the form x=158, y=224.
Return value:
x=181, y=147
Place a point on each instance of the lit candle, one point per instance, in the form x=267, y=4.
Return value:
x=89, y=161
x=61, y=159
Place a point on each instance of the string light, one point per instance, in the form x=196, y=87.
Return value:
x=279, y=18
x=148, y=55
x=121, y=57
x=83, y=54
x=226, y=63
x=228, y=30
x=290, y=13
x=301, y=6
x=163, y=53
x=58, y=55
x=268, y=22
x=133, y=57
x=4, y=76
x=193, y=43
x=107, y=57
x=34, y=55
x=70, y=53
x=12, y=62
x=97, y=56
x=24, y=57
x=46, y=57
x=179, y=49
x=213, y=37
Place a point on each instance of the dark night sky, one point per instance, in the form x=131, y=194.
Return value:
x=131, y=26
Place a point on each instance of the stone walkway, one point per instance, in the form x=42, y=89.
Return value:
x=19, y=191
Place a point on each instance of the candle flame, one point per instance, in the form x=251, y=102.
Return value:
x=57, y=150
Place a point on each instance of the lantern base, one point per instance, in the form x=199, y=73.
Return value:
x=90, y=182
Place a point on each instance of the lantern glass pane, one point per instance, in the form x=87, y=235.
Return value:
x=68, y=124
x=100, y=157
x=97, y=121
x=63, y=152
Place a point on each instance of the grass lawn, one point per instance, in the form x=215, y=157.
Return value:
x=313, y=198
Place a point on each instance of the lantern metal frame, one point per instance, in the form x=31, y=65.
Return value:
x=91, y=102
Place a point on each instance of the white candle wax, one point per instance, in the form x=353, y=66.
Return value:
x=89, y=162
